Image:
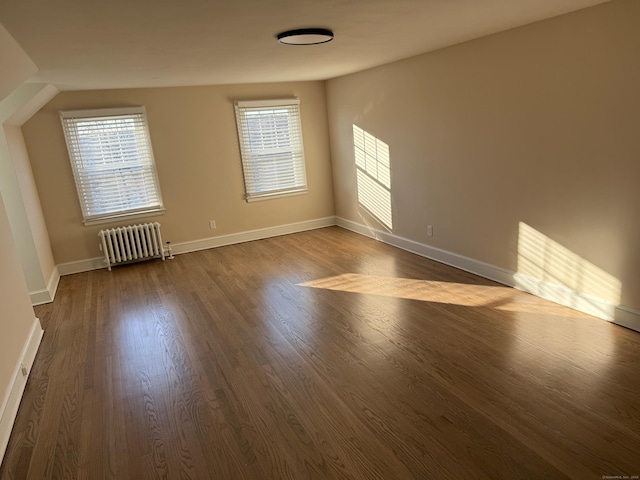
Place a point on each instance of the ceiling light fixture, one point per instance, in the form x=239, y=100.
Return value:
x=305, y=36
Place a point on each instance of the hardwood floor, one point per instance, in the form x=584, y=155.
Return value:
x=321, y=355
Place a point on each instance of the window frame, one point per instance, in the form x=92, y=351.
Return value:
x=69, y=120
x=249, y=159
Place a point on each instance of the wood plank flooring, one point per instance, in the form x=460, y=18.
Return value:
x=321, y=355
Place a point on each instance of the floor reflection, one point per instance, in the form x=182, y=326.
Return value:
x=541, y=332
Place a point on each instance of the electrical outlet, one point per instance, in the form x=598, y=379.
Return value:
x=212, y=224
x=430, y=230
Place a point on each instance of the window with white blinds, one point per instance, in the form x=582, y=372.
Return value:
x=271, y=146
x=112, y=162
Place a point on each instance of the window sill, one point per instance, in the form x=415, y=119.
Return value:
x=269, y=196
x=118, y=218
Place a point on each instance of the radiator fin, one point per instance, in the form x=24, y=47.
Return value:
x=131, y=243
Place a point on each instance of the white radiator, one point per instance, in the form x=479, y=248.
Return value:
x=131, y=243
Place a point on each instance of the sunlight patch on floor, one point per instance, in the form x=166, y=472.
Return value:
x=469, y=295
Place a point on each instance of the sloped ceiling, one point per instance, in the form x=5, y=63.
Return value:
x=89, y=44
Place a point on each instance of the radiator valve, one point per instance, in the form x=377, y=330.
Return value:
x=167, y=249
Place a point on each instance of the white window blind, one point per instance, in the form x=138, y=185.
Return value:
x=270, y=138
x=112, y=162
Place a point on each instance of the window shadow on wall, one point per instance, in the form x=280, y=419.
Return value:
x=373, y=176
x=544, y=265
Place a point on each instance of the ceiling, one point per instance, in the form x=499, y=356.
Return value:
x=95, y=44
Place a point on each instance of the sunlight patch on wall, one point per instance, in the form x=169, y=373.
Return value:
x=468, y=295
x=544, y=264
x=373, y=175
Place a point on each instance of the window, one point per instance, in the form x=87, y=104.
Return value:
x=271, y=146
x=112, y=162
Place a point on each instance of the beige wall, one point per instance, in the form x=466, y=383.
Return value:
x=16, y=68
x=16, y=64
x=20, y=229
x=17, y=319
x=537, y=125
x=16, y=315
x=44, y=263
x=19, y=191
x=195, y=144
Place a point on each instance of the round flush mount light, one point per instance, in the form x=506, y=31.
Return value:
x=305, y=36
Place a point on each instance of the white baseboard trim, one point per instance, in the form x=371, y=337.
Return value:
x=467, y=264
x=212, y=242
x=627, y=317
x=12, y=401
x=80, y=266
x=40, y=297
x=54, y=280
x=582, y=302
x=251, y=235
x=619, y=314
x=597, y=307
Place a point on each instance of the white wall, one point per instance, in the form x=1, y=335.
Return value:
x=21, y=196
x=45, y=265
x=20, y=331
